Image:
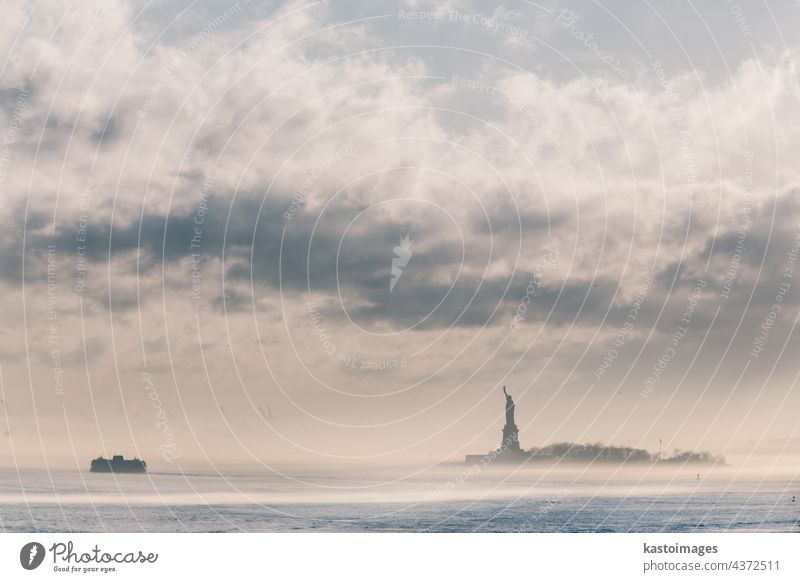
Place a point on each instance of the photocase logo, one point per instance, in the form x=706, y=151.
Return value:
x=402, y=254
x=31, y=555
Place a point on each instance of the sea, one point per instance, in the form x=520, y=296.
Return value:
x=441, y=498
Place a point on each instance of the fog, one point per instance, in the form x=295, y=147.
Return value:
x=323, y=237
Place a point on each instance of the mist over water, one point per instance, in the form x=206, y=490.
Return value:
x=441, y=498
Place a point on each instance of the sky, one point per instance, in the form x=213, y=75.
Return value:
x=331, y=232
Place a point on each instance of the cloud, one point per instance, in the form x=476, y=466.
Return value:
x=268, y=157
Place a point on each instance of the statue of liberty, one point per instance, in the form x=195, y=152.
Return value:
x=509, y=408
x=510, y=430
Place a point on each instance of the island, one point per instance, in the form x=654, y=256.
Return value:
x=510, y=450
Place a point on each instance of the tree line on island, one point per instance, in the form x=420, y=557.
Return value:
x=602, y=453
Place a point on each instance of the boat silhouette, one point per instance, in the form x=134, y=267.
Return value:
x=118, y=464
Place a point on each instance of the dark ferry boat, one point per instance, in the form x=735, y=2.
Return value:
x=118, y=464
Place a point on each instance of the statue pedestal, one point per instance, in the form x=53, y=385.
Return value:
x=510, y=441
x=509, y=451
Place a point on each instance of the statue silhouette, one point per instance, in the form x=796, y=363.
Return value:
x=510, y=431
x=509, y=408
